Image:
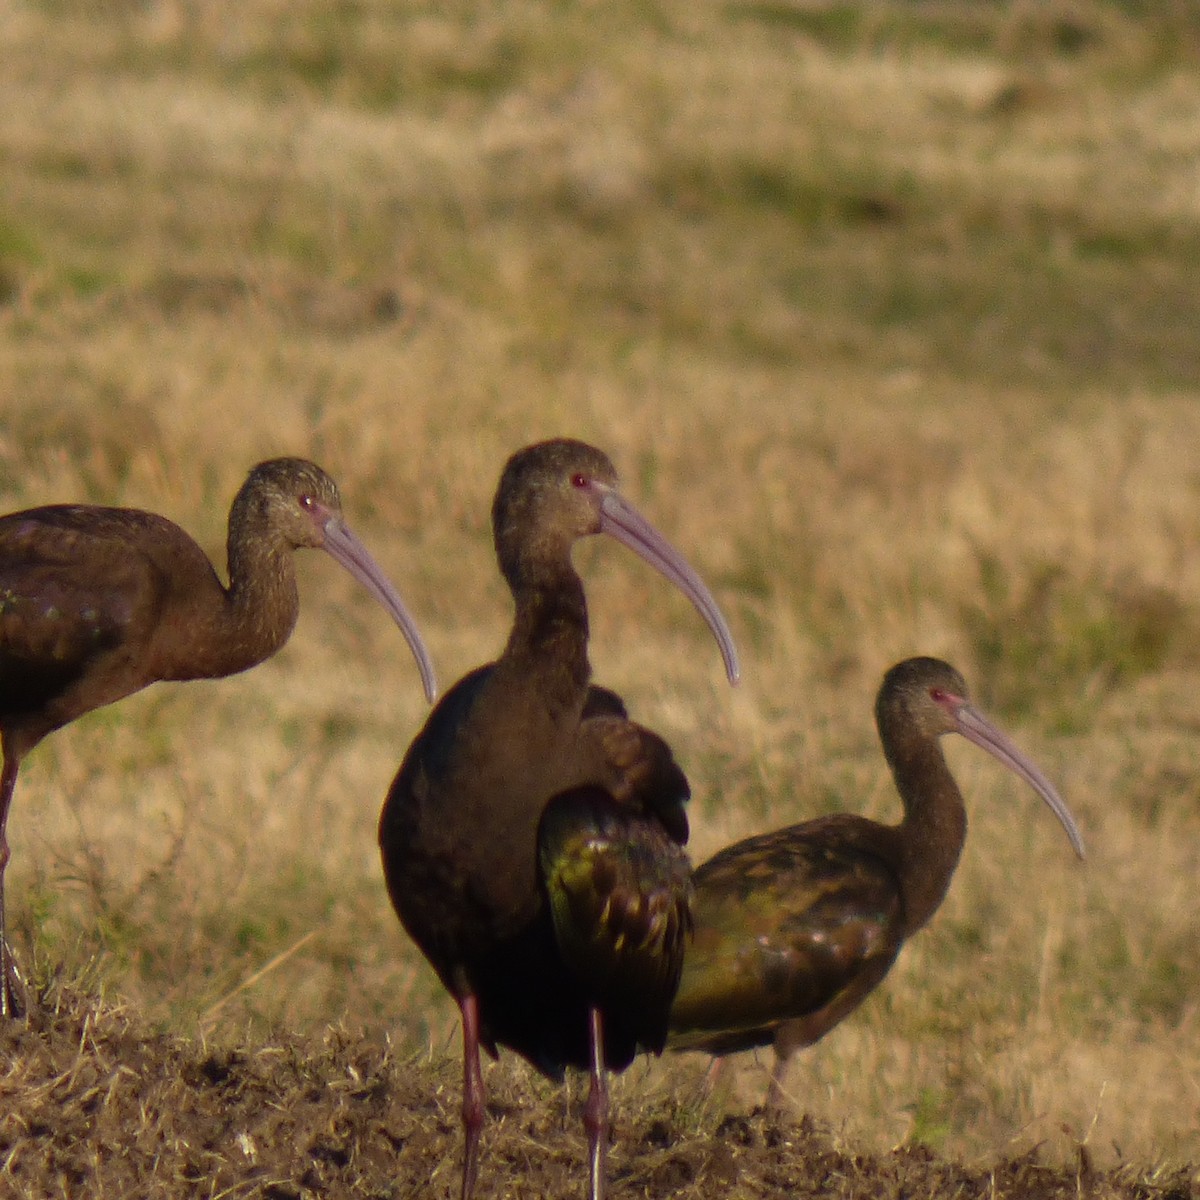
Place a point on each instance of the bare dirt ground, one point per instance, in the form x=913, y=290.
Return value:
x=108, y=1107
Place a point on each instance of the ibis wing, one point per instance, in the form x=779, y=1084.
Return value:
x=640, y=772
x=66, y=596
x=788, y=928
x=602, y=702
x=618, y=887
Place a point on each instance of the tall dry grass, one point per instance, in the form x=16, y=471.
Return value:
x=888, y=316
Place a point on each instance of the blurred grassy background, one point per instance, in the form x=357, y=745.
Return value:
x=888, y=315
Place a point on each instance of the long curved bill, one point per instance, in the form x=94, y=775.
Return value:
x=619, y=519
x=975, y=727
x=345, y=547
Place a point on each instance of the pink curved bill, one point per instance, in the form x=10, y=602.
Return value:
x=619, y=519
x=975, y=727
x=344, y=547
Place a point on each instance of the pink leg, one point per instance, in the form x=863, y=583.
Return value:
x=776, y=1097
x=712, y=1077
x=12, y=999
x=595, y=1113
x=472, y=1101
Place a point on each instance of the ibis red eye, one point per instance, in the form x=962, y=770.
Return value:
x=579, y=480
x=937, y=695
x=307, y=502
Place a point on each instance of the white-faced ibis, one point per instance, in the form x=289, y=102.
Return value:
x=532, y=839
x=96, y=603
x=793, y=929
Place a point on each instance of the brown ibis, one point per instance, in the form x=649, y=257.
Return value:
x=533, y=837
x=97, y=603
x=794, y=928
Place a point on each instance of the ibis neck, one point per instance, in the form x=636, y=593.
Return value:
x=933, y=830
x=549, y=638
x=262, y=601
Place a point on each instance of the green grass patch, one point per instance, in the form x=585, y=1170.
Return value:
x=19, y=243
x=1053, y=645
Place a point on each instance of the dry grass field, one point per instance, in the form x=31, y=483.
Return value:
x=888, y=313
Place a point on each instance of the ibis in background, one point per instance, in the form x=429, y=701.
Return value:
x=97, y=603
x=533, y=838
x=794, y=928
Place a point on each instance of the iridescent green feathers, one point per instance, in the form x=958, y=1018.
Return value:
x=788, y=929
x=616, y=878
x=618, y=889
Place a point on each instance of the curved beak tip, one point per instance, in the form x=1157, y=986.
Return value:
x=345, y=547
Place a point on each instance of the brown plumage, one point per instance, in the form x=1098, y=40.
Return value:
x=96, y=603
x=532, y=839
x=793, y=929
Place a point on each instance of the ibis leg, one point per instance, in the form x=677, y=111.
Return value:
x=595, y=1112
x=472, y=1099
x=712, y=1076
x=12, y=997
x=776, y=1101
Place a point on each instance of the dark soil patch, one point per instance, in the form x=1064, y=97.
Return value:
x=93, y=1103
